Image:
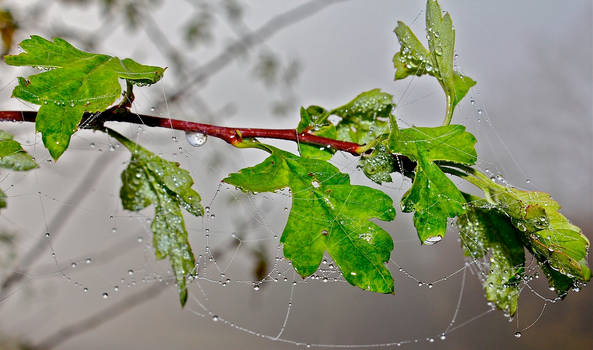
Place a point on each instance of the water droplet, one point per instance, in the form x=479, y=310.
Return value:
x=139, y=239
x=88, y=260
x=420, y=284
x=152, y=109
x=215, y=318
x=85, y=290
x=528, y=181
x=517, y=334
x=73, y=265
x=92, y=145
x=105, y=295
x=430, y=285
x=130, y=272
x=256, y=287
x=47, y=235
x=196, y=139
x=433, y=240
x=114, y=229
x=443, y=336
x=116, y=289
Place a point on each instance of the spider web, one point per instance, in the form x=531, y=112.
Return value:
x=98, y=260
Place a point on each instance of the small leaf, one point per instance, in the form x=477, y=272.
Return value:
x=433, y=196
x=149, y=179
x=328, y=214
x=378, y=165
x=308, y=122
x=12, y=155
x=414, y=59
x=365, y=117
x=489, y=235
x=75, y=82
x=368, y=105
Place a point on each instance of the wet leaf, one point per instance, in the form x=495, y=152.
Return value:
x=559, y=246
x=433, y=197
x=328, y=214
x=12, y=154
x=149, y=179
x=489, y=235
x=74, y=82
x=414, y=59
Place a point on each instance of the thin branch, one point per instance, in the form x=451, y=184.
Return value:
x=228, y=134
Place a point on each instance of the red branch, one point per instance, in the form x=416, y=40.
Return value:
x=228, y=134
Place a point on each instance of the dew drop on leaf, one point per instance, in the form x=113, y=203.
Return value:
x=433, y=240
x=196, y=139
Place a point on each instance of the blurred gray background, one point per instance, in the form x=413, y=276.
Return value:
x=533, y=117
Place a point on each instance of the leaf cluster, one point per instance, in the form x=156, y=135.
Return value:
x=329, y=214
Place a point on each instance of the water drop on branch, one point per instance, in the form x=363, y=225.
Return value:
x=196, y=139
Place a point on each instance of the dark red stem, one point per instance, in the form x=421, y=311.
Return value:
x=228, y=134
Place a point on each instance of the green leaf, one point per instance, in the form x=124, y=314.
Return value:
x=75, y=82
x=368, y=105
x=433, y=197
x=328, y=214
x=365, y=117
x=441, y=143
x=489, y=235
x=149, y=179
x=414, y=59
x=12, y=155
x=309, y=118
x=379, y=165
x=557, y=244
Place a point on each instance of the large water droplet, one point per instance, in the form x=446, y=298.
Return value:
x=196, y=139
x=433, y=240
x=517, y=334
